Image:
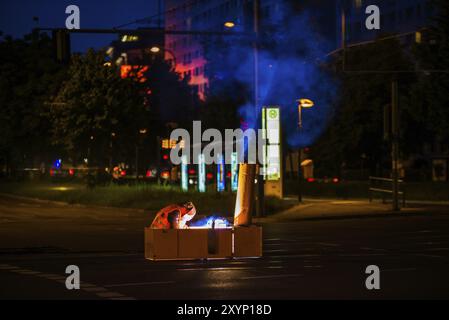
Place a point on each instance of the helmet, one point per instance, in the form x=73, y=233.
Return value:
x=187, y=215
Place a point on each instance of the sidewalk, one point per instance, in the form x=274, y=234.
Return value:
x=315, y=209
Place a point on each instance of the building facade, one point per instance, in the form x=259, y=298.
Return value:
x=206, y=15
x=396, y=17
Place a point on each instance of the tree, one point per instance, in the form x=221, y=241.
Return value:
x=94, y=108
x=430, y=102
x=354, y=137
x=28, y=77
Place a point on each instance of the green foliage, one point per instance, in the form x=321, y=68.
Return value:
x=28, y=77
x=431, y=100
x=93, y=104
x=356, y=130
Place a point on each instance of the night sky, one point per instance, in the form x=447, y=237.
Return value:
x=16, y=17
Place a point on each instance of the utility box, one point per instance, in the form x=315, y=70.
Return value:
x=248, y=242
x=191, y=244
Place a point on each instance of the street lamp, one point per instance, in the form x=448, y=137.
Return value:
x=303, y=104
x=307, y=104
x=156, y=50
x=229, y=24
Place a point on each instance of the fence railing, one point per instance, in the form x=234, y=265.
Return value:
x=384, y=187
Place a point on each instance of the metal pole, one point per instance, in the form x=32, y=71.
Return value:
x=395, y=145
x=260, y=201
x=343, y=35
x=299, y=176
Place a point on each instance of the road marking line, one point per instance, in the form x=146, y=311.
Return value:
x=29, y=272
x=110, y=294
x=328, y=244
x=215, y=269
x=87, y=287
x=317, y=266
x=7, y=267
x=399, y=269
x=137, y=284
x=95, y=289
x=272, y=276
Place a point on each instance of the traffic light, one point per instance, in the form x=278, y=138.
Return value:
x=61, y=43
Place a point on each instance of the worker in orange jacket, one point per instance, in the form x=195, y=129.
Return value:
x=174, y=216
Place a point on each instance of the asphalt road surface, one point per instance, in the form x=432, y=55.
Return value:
x=319, y=259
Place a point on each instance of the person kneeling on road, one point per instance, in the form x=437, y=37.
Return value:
x=174, y=216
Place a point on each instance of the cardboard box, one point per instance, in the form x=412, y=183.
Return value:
x=192, y=244
x=248, y=242
x=219, y=243
x=161, y=244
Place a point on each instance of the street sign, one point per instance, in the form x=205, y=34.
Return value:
x=272, y=151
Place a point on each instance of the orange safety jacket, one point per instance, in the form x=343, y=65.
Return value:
x=169, y=217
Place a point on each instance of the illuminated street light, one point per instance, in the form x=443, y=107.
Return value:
x=307, y=104
x=229, y=24
x=303, y=103
x=156, y=50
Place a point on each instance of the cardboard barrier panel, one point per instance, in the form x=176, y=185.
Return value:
x=192, y=244
x=161, y=244
x=203, y=243
x=248, y=241
x=219, y=243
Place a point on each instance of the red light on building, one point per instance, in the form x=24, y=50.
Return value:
x=137, y=72
x=165, y=157
x=149, y=174
x=52, y=172
x=229, y=174
x=310, y=180
x=192, y=171
x=335, y=180
x=123, y=173
x=209, y=176
x=71, y=172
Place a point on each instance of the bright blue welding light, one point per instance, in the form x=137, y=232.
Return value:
x=58, y=163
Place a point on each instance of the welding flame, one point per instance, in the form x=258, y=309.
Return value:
x=211, y=223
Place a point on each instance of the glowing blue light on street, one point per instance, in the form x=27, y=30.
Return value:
x=221, y=178
x=184, y=175
x=201, y=173
x=234, y=172
x=58, y=163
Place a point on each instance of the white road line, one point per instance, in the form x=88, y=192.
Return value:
x=215, y=269
x=95, y=289
x=399, y=270
x=110, y=295
x=132, y=284
x=29, y=272
x=272, y=276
